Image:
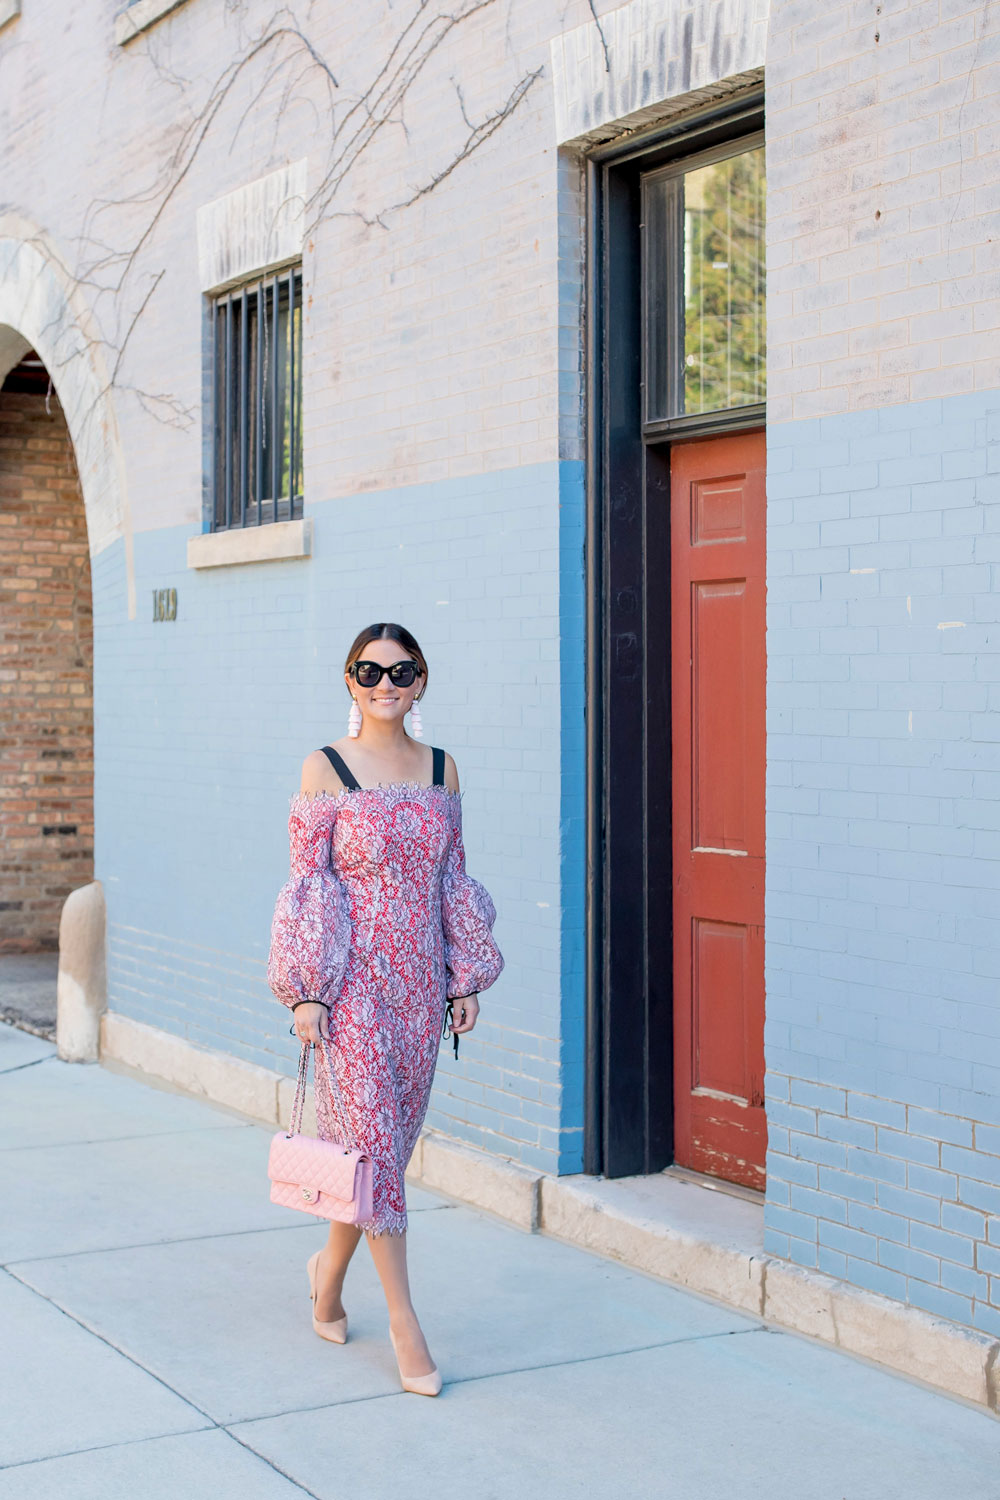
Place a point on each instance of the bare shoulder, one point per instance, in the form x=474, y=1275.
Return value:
x=450, y=774
x=318, y=775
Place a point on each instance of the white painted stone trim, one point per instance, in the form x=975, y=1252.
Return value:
x=9, y=11
x=82, y=982
x=214, y=1076
x=593, y=1213
x=502, y=1187
x=948, y=1356
x=272, y=542
x=618, y=73
x=43, y=308
x=255, y=228
x=129, y=23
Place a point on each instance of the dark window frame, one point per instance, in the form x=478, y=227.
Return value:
x=658, y=301
x=628, y=1087
x=253, y=395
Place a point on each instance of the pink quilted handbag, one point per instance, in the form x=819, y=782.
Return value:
x=325, y=1178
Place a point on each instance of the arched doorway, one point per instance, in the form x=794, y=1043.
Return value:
x=46, y=687
x=44, y=313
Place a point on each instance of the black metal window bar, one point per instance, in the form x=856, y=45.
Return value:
x=258, y=402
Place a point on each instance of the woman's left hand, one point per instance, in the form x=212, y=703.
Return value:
x=465, y=1014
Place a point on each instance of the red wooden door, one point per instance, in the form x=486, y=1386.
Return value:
x=717, y=624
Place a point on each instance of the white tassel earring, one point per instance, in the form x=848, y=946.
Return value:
x=416, y=722
x=354, y=720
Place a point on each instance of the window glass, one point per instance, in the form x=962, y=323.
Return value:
x=258, y=402
x=705, y=287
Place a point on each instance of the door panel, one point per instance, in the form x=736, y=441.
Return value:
x=718, y=989
x=719, y=711
x=718, y=664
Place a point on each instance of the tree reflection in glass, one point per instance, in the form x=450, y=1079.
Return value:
x=724, y=284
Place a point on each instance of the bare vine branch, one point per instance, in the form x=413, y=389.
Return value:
x=111, y=272
x=600, y=32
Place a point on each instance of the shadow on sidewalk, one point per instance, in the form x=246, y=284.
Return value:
x=28, y=992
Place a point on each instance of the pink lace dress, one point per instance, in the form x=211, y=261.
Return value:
x=379, y=920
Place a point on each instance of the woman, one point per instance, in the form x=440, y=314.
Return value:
x=376, y=932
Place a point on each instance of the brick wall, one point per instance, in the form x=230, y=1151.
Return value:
x=441, y=388
x=883, y=883
x=46, y=663
x=882, y=161
x=203, y=722
x=440, y=365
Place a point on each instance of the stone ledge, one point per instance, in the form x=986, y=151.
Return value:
x=711, y=1243
x=500, y=1186
x=129, y=23
x=936, y=1352
x=708, y=1241
x=252, y=230
x=243, y=1086
x=703, y=1240
x=274, y=541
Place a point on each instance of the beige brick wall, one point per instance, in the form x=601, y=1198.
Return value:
x=438, y=341
x=433, y=343
x=883, y=157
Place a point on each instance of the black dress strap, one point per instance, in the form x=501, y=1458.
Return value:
x=437, y=760
x=338, y=763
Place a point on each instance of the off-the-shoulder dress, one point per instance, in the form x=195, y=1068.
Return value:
x=380, y=921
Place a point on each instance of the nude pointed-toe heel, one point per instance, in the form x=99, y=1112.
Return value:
x=335, y=1332
x=421, y=1385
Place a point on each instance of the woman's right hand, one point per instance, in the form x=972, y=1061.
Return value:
x=312, y=1022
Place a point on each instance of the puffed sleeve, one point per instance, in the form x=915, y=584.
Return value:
x=311, y=927
x=473, y=959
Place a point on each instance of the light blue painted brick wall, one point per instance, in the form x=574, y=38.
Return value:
x=202, y=724
x=883, y=859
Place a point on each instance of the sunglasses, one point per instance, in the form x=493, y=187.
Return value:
x=368, y=674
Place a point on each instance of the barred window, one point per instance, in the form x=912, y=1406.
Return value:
x=257, y=331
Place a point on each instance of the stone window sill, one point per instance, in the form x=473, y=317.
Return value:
x=129, y=23
x=275, y=541
x=9, y=10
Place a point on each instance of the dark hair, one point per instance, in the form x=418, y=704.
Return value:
x=388, y=632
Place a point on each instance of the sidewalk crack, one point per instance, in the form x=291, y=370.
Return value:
x=184, y=1239
x=211, y=1423
x=556, y=1364
x=20, y=1067
x=114, y=1140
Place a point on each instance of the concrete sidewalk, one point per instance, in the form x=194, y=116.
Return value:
x=156, y=1341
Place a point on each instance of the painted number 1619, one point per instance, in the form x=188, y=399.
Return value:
x=164, y=604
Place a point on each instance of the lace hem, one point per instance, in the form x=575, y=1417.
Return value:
x=393, y=1223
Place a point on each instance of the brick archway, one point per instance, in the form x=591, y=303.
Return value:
x=46, y=666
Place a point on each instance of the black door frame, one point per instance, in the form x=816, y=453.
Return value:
x=628, y=1095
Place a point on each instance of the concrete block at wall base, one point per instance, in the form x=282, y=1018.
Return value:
x=930, y=1349
x=707, y=1242
x=502, y=1187
x=710, y=1242
x=225, y=1080
x=801, y=1299
x=933, y=1350
x=81, y=985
